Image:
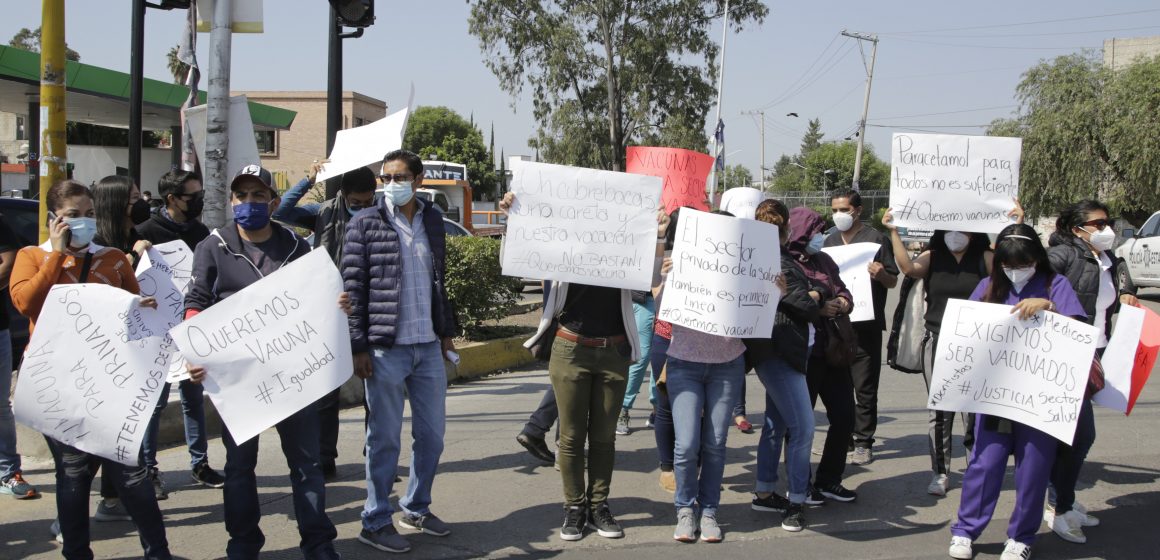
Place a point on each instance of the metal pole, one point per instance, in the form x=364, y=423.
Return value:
x=762, y=113
x=217, y=141
x=333, y=92
x=136, y=71
x=865, y=103
x=712, y=184
x=33, y=137
x=53, y=147
x=175, y=147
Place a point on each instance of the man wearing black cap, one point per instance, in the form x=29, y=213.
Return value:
x=229, y=260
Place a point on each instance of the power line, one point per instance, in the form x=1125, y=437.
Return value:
x=1038, y=22
x=997, y=47
x=1052, y=34
x=931, y=126
x=947, y=112
x=954, y=73
x=835, y=58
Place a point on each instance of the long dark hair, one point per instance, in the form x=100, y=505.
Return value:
x=1074, y=216
x=938, y=244
x=111, y=203
x=1017, y=245
x=671, y=231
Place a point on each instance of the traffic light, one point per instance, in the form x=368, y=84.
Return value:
x=354, y=13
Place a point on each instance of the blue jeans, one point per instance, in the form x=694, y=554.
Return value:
x=417, y=369
x=299, y=435
x=702, y=397
x=787, y=409
x=9, y=457
x=193, y=409
x=645, y=316
x=74, y=478
x=663, y=423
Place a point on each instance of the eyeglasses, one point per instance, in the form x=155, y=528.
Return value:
x=1099, y=224
x=397, y=178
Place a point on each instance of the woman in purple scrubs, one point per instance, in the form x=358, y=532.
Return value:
x=1021, y=277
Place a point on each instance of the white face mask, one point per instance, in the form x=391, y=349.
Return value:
x=1102, y=239
x=1019, y=276
x=956, y=241
x=843, y=221
x=400, y=193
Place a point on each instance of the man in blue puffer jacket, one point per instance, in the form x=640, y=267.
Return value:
x=393, y=267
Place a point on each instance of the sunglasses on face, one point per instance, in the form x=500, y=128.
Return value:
x=1099, y=224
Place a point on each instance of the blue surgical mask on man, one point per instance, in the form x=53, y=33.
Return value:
x=252, y=216
x=815, y=245
x=400, y=193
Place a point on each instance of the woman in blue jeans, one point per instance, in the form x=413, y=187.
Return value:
x=781, y=363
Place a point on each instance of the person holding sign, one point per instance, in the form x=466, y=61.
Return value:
x=866, y=371
x=592, y=332
x=826, y=378
x=70, y=257
x=1081, y=250
x=952, y=266
x=1023, y=278
x=12, y=481
x=781, y=362
x=225, y=263
x=394, y=267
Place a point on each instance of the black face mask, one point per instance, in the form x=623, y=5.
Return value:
x=139, y=212
x=193, y=207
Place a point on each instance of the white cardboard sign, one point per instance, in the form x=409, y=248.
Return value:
x=742, y=201
x=1119, y=357
x=273, y=348
x=723, y=276
x=1033, y=372
x=93, y=370
x=570, y=224
x=949, y=182
x=853, y=260
x=363, y=145
x=163, y=273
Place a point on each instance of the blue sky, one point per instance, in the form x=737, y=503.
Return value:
x=941, y=65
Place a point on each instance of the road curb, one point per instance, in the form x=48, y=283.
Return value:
x=478, y=359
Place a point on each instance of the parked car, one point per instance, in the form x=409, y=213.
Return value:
x=21, y=215
x=1141, y=255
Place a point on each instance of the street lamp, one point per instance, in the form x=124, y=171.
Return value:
x=826, y=175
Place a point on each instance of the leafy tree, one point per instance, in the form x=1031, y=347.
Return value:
x=837, y=157
x=29, y=40
x=1088, y=132
x=787, y=176
x=735, y=175
x=179, y=69
x=605, y=74
x=443, y=134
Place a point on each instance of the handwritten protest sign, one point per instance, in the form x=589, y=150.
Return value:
x=1129, y=357
x=722, y=281
x=963, y=183
x=742, y=201
x=363, y=145
x=684, y=173
x=1033, y=372
x=853, y=260
x=273, y=348
x=163, y=273
x=587, y=226
x=93, y=370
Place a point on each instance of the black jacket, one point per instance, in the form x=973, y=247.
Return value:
x=795, y=312
x=1072, y=258
x=159, y=229
x=330, y=227
x=221, y=267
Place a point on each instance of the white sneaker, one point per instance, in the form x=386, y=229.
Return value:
x=1089, y=520
x=960, y=548
x=1015, y=550
x=1069, y=527
x=938, y=485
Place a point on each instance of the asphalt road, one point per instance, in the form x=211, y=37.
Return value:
x=501, y=503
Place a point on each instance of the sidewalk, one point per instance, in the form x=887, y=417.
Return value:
x=501, y=503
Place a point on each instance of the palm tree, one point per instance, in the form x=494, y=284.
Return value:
x=179, y=69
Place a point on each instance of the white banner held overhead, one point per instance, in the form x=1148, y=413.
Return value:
x=93, y=370
x=963, y=183
x=853, y=260
x=570, y=224
x=723, y=276
x=273, y=348
x=364, y=145
x=243, y=148
x=742, y=201
x=1033, y=372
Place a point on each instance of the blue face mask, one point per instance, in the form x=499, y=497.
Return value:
x=400, y=193
x=816, y=243
x=81, y=231
x=252, y=216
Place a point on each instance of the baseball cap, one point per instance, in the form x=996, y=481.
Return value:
x=256, y=171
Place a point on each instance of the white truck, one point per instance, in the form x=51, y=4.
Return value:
x=1141, y=254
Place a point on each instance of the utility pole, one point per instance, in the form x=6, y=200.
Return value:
x=873, y=38
x=136, y=85
x=762, y=115
x=718, y=147
x=217, y=140
x=343, y=13
x=52, y=141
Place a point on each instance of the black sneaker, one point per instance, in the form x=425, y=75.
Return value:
x=575, y=518
x=814, y=498
x=839, y=493
x=794, y=519
x=537, y=447
x=605, y=524
x=158, y=486
x=204, y=474
x=775, y=503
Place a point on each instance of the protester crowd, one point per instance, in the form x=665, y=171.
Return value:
x=601, y=346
